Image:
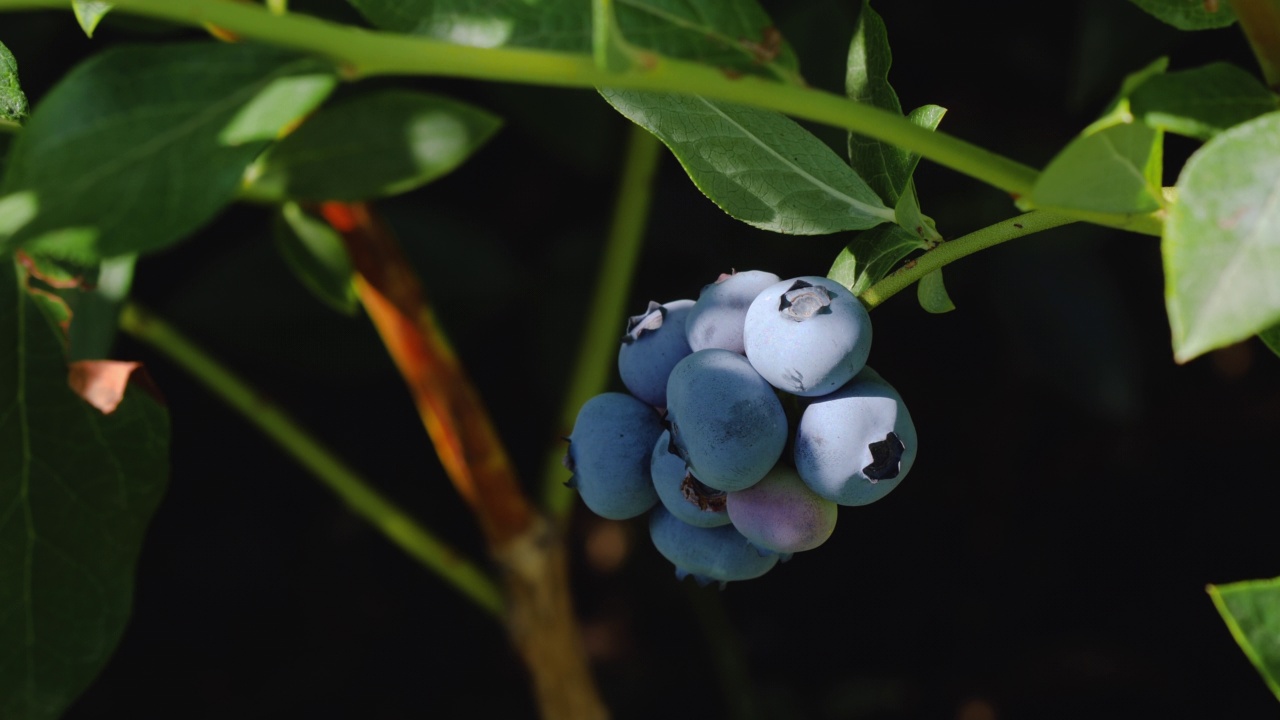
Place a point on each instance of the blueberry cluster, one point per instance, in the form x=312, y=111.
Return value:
x=750, y=417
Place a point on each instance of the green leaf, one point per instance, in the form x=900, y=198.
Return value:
x=370, y=146
x=872, y=255
x=139, y=146
x=1271, y=338
x=1221, y=243
x=89, y=13
x=1202, y=102
x=1251, y=610
x=733, y=34
x=759, y=166
x=13, y=103
x=95, y=308
x=315, y=253
x=1190, y=14
x=932, y=294
x=1113, y=170
x=77, y=489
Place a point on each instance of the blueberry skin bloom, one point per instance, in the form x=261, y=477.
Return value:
x=855, y=445
x=807, y=336
x=653, y=344
x=726, y=421
x=680, y=492
x=721, y=310
x=719, y=554
x=781, y=514
x=609, y=451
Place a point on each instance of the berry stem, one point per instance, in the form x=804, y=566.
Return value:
x=950, y=251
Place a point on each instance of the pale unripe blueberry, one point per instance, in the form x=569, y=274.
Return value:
x=721, y=310
x=855, y=445
x=781, y=514
x=807, y=336
x=653, y=344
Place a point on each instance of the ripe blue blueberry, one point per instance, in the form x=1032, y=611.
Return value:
x=855, y=445
x=680, y=492
x=726, y=421
x=781, y=514
x=807, y=336
x=721, y=310
x=609, y=454
x=719, y=554
x=653, y=344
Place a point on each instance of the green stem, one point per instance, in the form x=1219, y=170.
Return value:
x=598, y=351
x=1260, y=20
x=948, y=252
x=362, y=53
x=398, y=526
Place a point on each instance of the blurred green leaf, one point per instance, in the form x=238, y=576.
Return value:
x=872, y=255
x=1190, y=14
x=89, y=13
x=1221, y=243
x=759, y=166
x=95, y=308
x=78, y=488
x=734, y=34
x=1271, y=338
x=13, y=102
x=315, y=253
x=932, y=294
x=1203, y=101
x=1251, y=610
x=370, y=146
x=138, y=146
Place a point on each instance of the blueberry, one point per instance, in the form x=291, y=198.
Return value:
x=855, y=445
x=680, y=492
x=653, y=344
x=781, y=514
x=609, y=454
x=726, y=421
x=719, y=554
x=807, y=336
x=721, y=310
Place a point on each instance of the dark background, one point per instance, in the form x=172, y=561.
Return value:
x=1047, y=557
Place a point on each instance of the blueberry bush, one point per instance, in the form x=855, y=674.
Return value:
x=252, y=245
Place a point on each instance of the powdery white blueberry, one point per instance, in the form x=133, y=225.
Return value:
x=653, y=344
x=680, y=492
x=807, y=336
x=855, y=445
x=781, y=514
x=718, y=554
x=721, y=310
x=609, y=453
x=726, y=422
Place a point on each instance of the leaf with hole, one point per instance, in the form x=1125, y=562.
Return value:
x=77, y=490
x=759, y=166
x=139, y=146
x=1221, y=244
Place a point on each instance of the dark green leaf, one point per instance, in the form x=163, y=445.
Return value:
x=77, y=489
x=13, y=103
x=1203, y=101
x=1116, y=169
x=733, y=34
x=139, y=146
x=1222, y=240
x=89, y=13
x=872, y=255
x=759, y=166
x=315, y=253
x=95, y=308
x=1251, y=610
x=867, y=81
x=1271, y=338
x=1190, y=14
x=379, y=144
x=932, y=294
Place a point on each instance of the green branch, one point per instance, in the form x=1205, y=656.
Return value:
x=362, y=53
x=598, y=349
x=398, y=526
x=948, y=252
